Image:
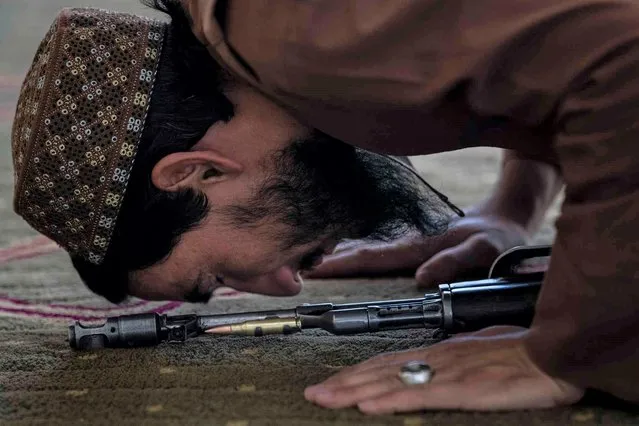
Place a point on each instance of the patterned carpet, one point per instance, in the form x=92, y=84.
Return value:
x=231, y=381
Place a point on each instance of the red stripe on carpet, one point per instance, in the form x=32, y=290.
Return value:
x=36, y=247
x=26, y=313
x=77, y=307
x=42, y=245
x=228, y=293
x=51, y=315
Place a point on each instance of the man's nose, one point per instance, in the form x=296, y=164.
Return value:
x=284, y=281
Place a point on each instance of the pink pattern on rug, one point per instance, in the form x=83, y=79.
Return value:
x=41, y=245
x=228, y=292
x=72, y=306
x=38, y=246
x=22, y=312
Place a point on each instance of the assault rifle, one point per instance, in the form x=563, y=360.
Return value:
x=506, y=297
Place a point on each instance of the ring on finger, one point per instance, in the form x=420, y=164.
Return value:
x=416, y=373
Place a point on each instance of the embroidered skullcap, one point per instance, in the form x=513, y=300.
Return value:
x=79, y=120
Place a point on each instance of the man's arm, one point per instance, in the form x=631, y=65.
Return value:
x=508, y=218
x=524, y=191
x=586, y=325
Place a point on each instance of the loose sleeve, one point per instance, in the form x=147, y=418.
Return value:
x=586, y=328
x=380, y=75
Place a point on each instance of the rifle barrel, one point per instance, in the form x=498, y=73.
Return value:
x=454, y=307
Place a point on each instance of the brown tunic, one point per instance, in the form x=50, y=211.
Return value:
x=556, y=80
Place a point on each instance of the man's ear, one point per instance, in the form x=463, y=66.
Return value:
x=194, y=169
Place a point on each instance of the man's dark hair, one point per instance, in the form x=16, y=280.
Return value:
x=186, y=100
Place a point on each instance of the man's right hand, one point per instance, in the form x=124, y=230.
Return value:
x=470, y=244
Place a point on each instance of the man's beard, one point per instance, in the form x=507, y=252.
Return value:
x=320, y=186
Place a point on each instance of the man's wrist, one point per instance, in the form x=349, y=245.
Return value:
x=511, y=211
x=524, y=192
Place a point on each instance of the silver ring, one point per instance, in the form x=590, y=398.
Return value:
x=415, y=373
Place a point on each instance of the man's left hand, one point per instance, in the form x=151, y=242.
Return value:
x=483, y=371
